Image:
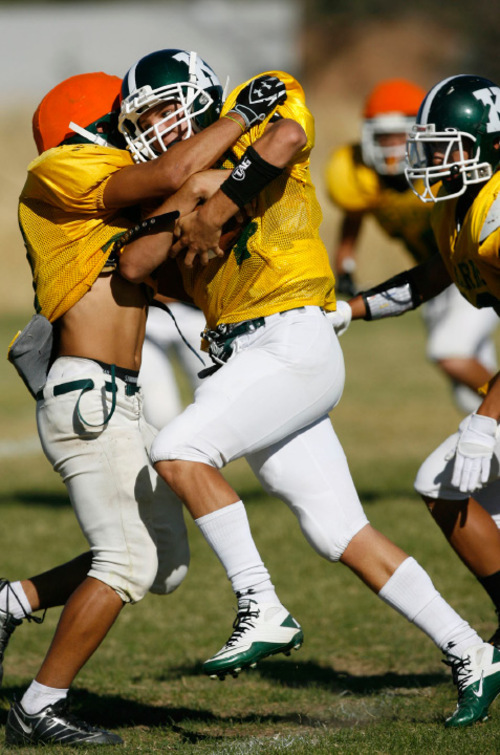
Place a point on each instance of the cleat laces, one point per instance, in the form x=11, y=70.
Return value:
x=11, y=595
x=460, y=672
x=62, y=712
x=243, y=622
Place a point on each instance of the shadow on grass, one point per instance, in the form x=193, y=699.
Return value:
x=57, y=499
x=309, y=674
x=116, y=712
x=251, y=494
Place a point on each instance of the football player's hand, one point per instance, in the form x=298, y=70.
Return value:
x=341, y=318
x=196, y=239
x=476, y=444
x=259, y=98
x=345, y=285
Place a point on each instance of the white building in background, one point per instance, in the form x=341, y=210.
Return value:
x=42, y=44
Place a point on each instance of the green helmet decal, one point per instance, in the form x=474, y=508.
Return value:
x=175, y=77
x=456, y=137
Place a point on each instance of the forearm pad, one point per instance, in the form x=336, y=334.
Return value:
x=155, y=224
x=249, y=177
x=392, y=298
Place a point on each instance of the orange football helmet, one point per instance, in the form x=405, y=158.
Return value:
x=80, y=99
x=389, y=114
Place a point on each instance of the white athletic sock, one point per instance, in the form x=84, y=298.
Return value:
x=38, y=696
x=13, y=600
x=411, y=592
x=227, y=531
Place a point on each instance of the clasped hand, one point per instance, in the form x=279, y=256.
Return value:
x=197, y=238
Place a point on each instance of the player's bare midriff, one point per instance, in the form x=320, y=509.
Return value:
x=107, y=324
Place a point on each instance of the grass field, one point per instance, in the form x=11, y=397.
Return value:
x=365, y=680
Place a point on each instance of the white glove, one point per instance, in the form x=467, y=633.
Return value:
x=474, y=452
x=341, y=318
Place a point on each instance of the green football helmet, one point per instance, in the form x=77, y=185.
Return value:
x=456, y=137
x=167, y=76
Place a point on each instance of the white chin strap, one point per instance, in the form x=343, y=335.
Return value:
x=94, y=138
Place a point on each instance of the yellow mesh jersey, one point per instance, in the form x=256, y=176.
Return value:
x=354, y=187
x=66, y=228
x=473, y=266
x=279, y=262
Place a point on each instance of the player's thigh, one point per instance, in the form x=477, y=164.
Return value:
x=310, y=473
x=107, y=474
x=282, y=378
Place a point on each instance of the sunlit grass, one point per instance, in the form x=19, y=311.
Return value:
x=365, y=680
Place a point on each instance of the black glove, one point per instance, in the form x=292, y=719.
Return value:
x=345, y=285
x=259, y=98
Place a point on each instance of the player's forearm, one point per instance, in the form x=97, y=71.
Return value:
x=345, y=251
x=139, y=258
x=200, y=152
x=403, y=292
x=162, y=177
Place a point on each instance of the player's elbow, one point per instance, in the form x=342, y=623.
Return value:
x=131, y=269
x=283, y=141
x=173, y=170
x=293, y=136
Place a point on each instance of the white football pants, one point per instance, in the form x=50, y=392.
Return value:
x=270, y=403
x=162, y=399
x=456, y=329
x=132, y=521
x=434, y=478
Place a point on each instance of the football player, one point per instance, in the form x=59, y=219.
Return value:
x=74, y=215
x=456, y=141
x=278, y=371
x=367, y=179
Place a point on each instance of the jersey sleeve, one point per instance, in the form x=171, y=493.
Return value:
x=352, y=186
x=73, y=178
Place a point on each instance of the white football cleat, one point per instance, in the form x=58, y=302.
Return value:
x=477, y=677
x=260, y=630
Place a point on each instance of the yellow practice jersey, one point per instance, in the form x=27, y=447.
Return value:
x=67, y=231
x=471, y=255
x=279, y=262
x=356, y=188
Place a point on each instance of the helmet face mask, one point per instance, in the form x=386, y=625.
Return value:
x=383, y=143
x=455, y=139
x=388, y=116
x=184, y=83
